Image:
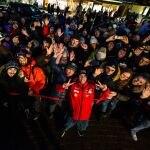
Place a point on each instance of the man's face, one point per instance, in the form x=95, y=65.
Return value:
x=121, y=53
x=136, y=38
x=94, y=45
x=138, y=81
x=29, y=45
x=11, y=72
x=51, y=30
x=45, y=44
x=97, y=33
x=75, y=42
x=82, y=78
x=69, y=72
x=144, y=61
x=110, y=46
x=84, y=33
x=109, y=70
x=23, y=61
x=15, y=40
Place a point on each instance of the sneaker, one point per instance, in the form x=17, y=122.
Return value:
x=63, y=133
x=27, y=113
x=5, y=104
x=51, y=116
x=134, y=137
x=36, y=116
x=80, y=133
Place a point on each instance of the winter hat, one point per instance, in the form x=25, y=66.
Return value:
x=21, y=54
x=93, y=40
x=101, y=54
x=72, y=66
x=12, y=64
x=82, y=39
x=24, y=54
x=83, y=72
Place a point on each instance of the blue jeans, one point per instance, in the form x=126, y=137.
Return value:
x=113, y=103
x=145, y=124
x=108, y=104
x=81, y=124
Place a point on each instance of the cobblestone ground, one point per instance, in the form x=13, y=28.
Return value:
x=18, y=133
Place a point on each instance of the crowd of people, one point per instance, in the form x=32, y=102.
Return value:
x=84, y=63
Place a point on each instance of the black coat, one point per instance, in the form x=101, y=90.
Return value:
x=11, y=85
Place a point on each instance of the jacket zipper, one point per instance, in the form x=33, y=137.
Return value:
x=81, y=104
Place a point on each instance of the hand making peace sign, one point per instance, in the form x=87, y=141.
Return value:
x=66, y=85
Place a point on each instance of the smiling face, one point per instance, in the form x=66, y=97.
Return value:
x=45, y=44
x=11, y=72
x=139, y=80
x=110, y=46
x=125, y=76
x=69, y=72
x=82, y=78
x=121, y=53
x=109, y=70
x=75, y=42
x=23, y=61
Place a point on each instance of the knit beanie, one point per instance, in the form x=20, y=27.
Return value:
x=101, y=54
x=12, y=64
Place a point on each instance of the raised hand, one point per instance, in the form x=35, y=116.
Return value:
x=146, y=39
x=111, y=38
x=125, y=39
x=98, y=71
x=146, y=92
x=101, y=86
x=26, y=80
x=66, y=85
x=80, y=26
x=88, y=63
x=112, y=94
x=24, y=32
x=50, y=49
x=71, y=56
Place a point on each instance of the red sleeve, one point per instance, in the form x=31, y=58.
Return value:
x=103, y=96
x=45, y=31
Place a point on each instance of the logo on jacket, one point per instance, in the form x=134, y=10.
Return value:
x=75, y=95
x=90, y=91
x=76, y=91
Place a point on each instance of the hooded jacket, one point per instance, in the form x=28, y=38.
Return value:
x=35, y=75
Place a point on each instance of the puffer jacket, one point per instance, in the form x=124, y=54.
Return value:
x=81, y=98
x=35, y=75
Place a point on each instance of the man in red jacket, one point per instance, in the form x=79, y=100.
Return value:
x=81, y=96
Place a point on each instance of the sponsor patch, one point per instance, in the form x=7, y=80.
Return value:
x=90, y=91
x=75, y=95
x=76, y=91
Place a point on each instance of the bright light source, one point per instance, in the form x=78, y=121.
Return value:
x=146, y=11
